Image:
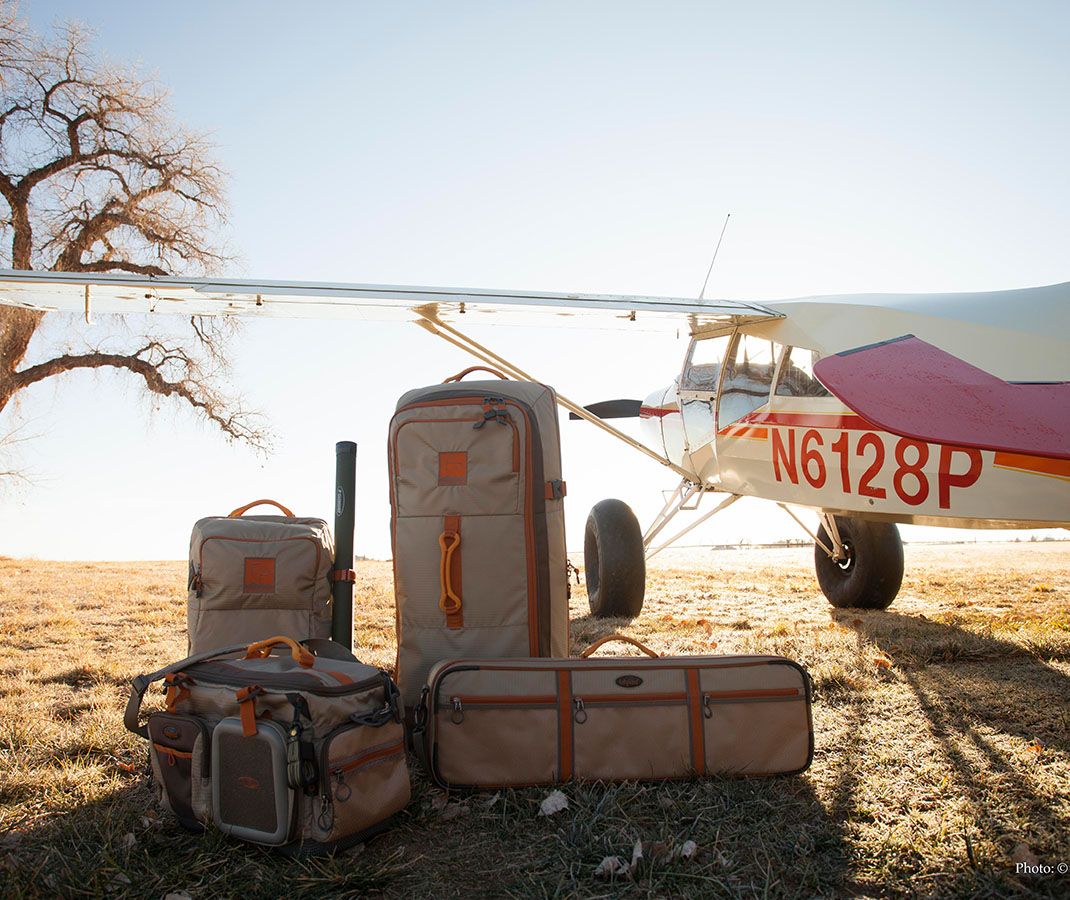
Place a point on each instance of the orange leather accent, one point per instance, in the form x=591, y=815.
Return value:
x=564, y=721
x=548, y=491
x=263, y=648
x=342, y=575
x=450, y=600
x=176, y=692
x=618, y=637
x=259, y=575
x=246, y=698
x=371, y=756
x=471, y=369
x=172, y=753
x=242, y=510
x=698, y=734
x=453, y=467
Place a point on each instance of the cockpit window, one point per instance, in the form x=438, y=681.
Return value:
x=797, y=375
x=704, y=365
x=748, y=377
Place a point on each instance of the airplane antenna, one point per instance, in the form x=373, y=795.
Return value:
x=716, y=250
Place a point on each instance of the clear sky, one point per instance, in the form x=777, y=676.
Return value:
x=585, y=146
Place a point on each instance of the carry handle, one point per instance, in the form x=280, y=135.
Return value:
x=242, y=510
x=449, y=602
x=618, y=637
x=263, y=648
x=460, y=375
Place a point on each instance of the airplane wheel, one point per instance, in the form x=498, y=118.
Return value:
x=614, y=562
x=870, y=576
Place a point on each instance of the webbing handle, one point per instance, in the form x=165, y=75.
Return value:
x=448, y=602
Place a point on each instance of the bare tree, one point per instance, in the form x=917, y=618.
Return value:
x=97, y=177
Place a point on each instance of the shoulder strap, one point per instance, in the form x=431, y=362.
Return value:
x=141, y=684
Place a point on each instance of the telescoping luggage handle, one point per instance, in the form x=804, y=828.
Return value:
x=242, y=510
x=252, y=651
x=460, y=375
x=618, y=637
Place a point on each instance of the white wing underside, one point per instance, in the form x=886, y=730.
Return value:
x=84, y=294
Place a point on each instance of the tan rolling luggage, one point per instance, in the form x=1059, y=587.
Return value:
x=477, y=525
x=304, y=753
x=506, y=722
x=255, y=576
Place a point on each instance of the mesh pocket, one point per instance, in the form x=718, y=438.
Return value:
x=178, y=750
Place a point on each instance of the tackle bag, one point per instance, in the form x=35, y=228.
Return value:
x=493, y=723
x=305, y=753
x=477, y=524
x=255, y=576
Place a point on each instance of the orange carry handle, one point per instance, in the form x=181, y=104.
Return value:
x=618, y=637
x=471, y=369
x=449, y=602
x=263, y=648
x=242, y=510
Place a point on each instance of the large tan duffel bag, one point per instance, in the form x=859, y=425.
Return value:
x=507, y=723
x=477, y=525
x=255, y=576
x=301, y=752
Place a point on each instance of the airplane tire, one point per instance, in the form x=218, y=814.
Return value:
x=614, y=562
x=873, y=572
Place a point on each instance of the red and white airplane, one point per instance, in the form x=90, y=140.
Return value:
x=940, y=409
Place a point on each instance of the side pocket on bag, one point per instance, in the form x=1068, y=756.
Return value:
x=365, y=780
x=179, y=753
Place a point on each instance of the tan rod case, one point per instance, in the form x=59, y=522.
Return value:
x=507, y=722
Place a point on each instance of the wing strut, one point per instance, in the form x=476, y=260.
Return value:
x=429, y=321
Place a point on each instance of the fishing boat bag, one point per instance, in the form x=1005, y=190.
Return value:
x=302, y=752
x=254, y=576
x=477, y=524
x=504, y=723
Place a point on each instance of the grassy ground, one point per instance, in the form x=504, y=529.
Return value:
x=942, y=728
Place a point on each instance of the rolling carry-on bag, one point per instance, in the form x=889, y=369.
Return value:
x=493, y=723
x=254, y=576
x=477, y=525
x=301, y=752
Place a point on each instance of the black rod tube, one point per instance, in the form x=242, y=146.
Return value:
x=345, y=486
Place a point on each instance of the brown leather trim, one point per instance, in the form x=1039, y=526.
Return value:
x=246, y=698
x=564, y=723
x=371, y=756
x=171, y=751
x=761, y=692
x=635, y=697
x=698, y=735
x=454, y=619
x=349, y=575
x=505, y=699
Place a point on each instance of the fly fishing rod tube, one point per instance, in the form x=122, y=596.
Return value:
x=345, y=485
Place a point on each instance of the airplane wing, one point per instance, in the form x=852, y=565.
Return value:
x=84, y=293
x=916, y=390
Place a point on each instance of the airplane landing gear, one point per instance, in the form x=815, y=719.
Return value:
x=613, y=560
x=870, y=568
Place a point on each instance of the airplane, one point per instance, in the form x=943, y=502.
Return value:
x=872, y=410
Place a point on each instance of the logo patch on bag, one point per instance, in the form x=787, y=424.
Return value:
x=259, y=575
x=629, y=681
x=248, y=782
x=172, y=732
x=453, y=467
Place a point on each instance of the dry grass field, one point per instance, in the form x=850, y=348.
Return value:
x=942, y=731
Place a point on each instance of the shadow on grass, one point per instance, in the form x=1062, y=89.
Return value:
x=974, y=690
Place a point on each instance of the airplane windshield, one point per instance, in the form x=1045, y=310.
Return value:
x=748, y=378
x=704, y=365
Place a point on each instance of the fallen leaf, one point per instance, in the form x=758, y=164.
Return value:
x=637, y=854
x=1034, y=746
x=1024, y=854
x=439, y=801
x=611, y=867
x=553, y=803
x=688, y=850
x=490, y=801
x=128, y=841
x=882, y=662
x=452, y=811
x=177, y=895
x=856, y=622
